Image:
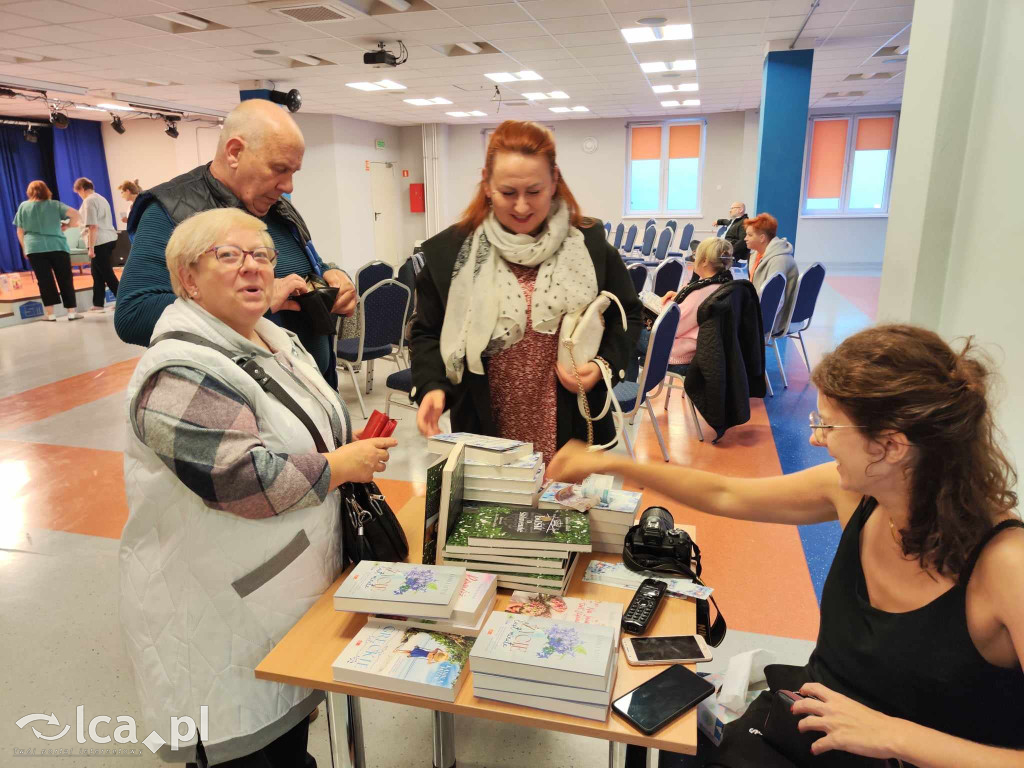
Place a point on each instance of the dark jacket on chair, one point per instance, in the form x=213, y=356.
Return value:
x=728, y=367
x=470, y=400
x=736, y=235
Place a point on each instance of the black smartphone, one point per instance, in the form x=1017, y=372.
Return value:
x=656, y=703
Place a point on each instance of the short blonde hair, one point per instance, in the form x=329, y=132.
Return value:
x=716, y=252
x=200, y=232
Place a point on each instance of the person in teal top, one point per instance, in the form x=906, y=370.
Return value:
x=40, y=223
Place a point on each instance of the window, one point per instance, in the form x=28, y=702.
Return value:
x=849, y=165
x=663, y=168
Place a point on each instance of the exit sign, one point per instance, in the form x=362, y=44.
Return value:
x=379, y=144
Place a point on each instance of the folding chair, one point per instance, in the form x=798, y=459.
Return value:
x=638, y=274
x=627, y=245
x=617, y=240
x=772, y=295
x=664, y=240
x=807, y=290
x=668, y=276
x=372, y=273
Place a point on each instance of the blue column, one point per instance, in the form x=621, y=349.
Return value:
x=785, y=92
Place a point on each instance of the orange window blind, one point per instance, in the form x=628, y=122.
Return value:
x=828, y=153
x=684, y=141
x=645, y=143
x=874, y=132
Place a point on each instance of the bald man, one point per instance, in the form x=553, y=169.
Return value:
x=259, y=151
x=734, y=232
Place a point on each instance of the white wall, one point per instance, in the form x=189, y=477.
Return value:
x=956, y=182
x=851, y=244
x=146, y=153
x=414, y=226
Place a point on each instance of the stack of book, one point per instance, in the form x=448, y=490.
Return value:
x=556, y=665
x=474, y=603
x=495, y=469
x=408, y=655
x=610, y=518
x=525, y=547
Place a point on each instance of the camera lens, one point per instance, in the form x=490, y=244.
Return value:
x=655, y=522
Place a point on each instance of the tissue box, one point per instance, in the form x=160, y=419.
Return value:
x=712, y=717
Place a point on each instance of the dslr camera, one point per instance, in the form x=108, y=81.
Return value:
x=656, y=541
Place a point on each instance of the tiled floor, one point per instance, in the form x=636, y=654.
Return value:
x=62, y=507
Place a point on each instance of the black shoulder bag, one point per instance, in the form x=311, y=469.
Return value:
x=369, y=528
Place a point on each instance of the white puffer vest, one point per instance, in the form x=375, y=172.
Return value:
x=206, y=594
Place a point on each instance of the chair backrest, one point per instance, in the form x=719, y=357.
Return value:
x=807, y=290
x=771, y=302
x=721, y=231
x=638, y=274
x=650, y=223
x=372, y=273
x=607, y=229
x=668, y=276
x=687, y=235
x=664, y=241
x=648, y=243
x=619, y=231
x=663, y=335
x=383, y=310
x=630, y=238
x=673, y=225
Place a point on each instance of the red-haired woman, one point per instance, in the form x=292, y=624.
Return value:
x=492, y=295
x=769, y=255
x=40, y=224
x=921, y=638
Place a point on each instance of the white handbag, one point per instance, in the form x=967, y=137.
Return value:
x=579, y=340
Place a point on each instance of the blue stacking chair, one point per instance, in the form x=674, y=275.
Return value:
x=634, y=395
x=684, y=241
x=383, y=310
x=607, y=229
x=673, y=225
x=372, y=273
x=645, y=248
x=664, y=240
x=650, y=223
x=772, y=294
x=627, y=245
x=721, y=231
x=807, y=291
x=619, y=231
x=668, y=276
x=638, y=274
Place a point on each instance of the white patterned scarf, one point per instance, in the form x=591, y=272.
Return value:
x=486, y=310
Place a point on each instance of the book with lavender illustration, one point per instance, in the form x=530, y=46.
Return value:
x=476, y=592
x=606, y=614
x=407, y=588
x=406, y=660
x=545, y=650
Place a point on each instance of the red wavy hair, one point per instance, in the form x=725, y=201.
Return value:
x=763, y=223
x=531, y=140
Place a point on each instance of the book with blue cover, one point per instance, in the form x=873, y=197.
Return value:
x=410, y=589
x=622, y=502
x=545, y=650
x=405, y=660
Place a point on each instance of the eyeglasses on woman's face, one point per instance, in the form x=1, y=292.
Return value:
x=819, y=428
x=233, y=256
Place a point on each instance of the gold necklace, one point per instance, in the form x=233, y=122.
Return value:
x=895, y=533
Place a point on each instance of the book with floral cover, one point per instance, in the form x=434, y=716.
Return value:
x=518, y=527
x=607, y=614
x=406, y=660
x=545, y=650
x=440, y=625
x=405, y=588
x=580, y=702
x=624, y=502
x=481, y=448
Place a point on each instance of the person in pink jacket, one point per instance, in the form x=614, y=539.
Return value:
x=711, y=264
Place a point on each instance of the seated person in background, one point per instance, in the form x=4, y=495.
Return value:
x=259, y=151
x=129, y=191
x=769, y=255
x=921, y=639
x=230, y=499
x=711, y=266
x=735, y=233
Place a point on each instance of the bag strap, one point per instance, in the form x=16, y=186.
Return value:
x=713, y=633
x=260, y=376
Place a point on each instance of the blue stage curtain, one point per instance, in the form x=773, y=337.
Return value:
x=78, y=151
x=20, y=163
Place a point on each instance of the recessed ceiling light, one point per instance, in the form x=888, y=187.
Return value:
x=184, y=20
x=684, y=87
x=470, y=47
x=265, y=51
x=670, y=103
x=691, y=103
x=558, y=95
x=654, y=66
x=560, y=109
x=535, y=96
x=654, y=34
x=477, y=113
x=509, y=77
x=426, y=102
x=302, y=58
x=457, y=114
x=380, y=85
x=580, y=109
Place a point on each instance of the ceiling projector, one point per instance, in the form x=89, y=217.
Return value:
x=380, y=58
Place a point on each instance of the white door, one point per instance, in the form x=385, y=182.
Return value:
x=384, y=197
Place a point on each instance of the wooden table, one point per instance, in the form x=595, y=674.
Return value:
x=305, y=655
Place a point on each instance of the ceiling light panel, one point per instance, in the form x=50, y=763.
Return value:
x=683, y=87
x=426, y=102
x=511, y=77
x=380, y=85
x=656, y=34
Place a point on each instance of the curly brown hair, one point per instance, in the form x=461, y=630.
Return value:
x=909, y=380
x=130, y=186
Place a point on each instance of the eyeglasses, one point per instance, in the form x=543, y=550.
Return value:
x=816, y=424
x=233, y=256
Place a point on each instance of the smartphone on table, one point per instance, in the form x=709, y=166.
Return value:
x=663, y=698
x=677, y=649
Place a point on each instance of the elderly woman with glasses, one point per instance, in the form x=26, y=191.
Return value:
x=233, y=528
x=921, y=640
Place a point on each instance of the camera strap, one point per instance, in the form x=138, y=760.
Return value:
x=713, y=633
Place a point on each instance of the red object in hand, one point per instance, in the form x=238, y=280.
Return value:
x=388, y=428
x=374, y=425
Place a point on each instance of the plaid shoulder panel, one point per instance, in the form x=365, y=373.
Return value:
x=207, y=435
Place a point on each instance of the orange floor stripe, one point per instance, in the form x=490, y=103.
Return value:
x=859, y=290
x=758, y=571
x=49, y=399
x=61, y=488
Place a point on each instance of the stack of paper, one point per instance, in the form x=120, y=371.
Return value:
x=516, y=483
x=561, y=666
x=610, y=517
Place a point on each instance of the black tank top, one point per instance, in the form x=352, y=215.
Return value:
x=920, y=665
